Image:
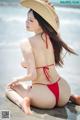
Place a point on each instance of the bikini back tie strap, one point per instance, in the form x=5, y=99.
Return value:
x=46, y=71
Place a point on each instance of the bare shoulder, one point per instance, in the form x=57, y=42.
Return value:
x=28, y=43
x=26, y=49
x=25, y=45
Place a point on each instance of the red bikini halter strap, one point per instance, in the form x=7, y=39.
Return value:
x=46, y=71
x=46, y=67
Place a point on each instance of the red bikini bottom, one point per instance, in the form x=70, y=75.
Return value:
x=54, y=88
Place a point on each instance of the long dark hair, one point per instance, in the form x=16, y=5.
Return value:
x=55, y=38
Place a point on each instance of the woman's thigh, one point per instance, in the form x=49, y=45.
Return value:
x=64, y=88
x=42, y=97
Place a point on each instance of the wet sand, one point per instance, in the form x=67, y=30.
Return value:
x=10, y=67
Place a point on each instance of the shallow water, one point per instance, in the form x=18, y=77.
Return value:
x=12, y=24
x=12, y=31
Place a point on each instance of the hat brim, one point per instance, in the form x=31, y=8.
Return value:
x=44, y=10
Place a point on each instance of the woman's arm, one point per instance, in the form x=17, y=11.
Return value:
x=30, y=62
x=29, y=59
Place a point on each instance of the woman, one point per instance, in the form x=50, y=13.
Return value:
x=41, y=53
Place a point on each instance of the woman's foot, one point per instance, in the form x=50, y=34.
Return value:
x=75, y=99
x=26, y=106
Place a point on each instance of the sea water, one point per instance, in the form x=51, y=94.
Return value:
x=12, y=31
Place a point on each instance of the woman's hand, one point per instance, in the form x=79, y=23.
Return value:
x=14, y=83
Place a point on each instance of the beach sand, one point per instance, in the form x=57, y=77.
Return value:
x=10, y=67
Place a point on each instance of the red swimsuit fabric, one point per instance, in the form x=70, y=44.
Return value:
x=54, y=87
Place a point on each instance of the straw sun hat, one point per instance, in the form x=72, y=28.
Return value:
x=45, y=10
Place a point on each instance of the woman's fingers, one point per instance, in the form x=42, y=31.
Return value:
x=12, y=84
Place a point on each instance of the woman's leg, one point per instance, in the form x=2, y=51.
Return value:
x=39, y=96
x=42, y=97
x=75, y=99
x=17, y=95
x=14, y=96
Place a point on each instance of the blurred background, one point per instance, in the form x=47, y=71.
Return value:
x=12, y=32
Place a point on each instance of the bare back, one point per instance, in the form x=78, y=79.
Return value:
x=43, y=56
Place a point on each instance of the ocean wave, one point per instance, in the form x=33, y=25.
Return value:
x=9, y=3
x=12, y=18
x=15, y=18
x=23, y=19
x=75, y=45
x=73, y=22
x=10, y=44
x=68, y=10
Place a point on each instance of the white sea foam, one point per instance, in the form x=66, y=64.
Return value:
x=15, y=18
x=68, y=10
x=23, y=19
x=75, y=45
x=9, y=44
x=12, y=18
x=69, y=22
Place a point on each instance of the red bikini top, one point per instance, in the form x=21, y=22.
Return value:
x=46, y=67
x=46, y=71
